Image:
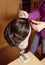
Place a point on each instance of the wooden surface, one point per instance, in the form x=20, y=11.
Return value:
x=43, y=61
x=32, y=61
x=8, y=10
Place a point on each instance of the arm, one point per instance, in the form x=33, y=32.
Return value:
x=38, y=25
x=44, y=24
x=34, y=15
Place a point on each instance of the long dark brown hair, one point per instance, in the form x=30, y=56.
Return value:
x=16, y=31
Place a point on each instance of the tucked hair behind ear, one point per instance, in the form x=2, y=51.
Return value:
x=16, y=31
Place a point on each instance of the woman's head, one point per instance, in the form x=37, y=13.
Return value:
x=20, y=28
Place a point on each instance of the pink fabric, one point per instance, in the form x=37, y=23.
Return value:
x=34, y=15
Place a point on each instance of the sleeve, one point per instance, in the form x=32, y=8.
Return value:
x=34, y=15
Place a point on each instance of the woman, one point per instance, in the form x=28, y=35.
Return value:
x=37, y=26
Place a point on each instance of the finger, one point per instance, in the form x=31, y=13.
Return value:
x=21, y=14
x=35, y=22
x=34, y=26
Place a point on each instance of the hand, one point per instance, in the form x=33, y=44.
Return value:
x=23, y=14
x=38, y=25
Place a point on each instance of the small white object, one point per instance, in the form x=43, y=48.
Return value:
x=24, y=58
